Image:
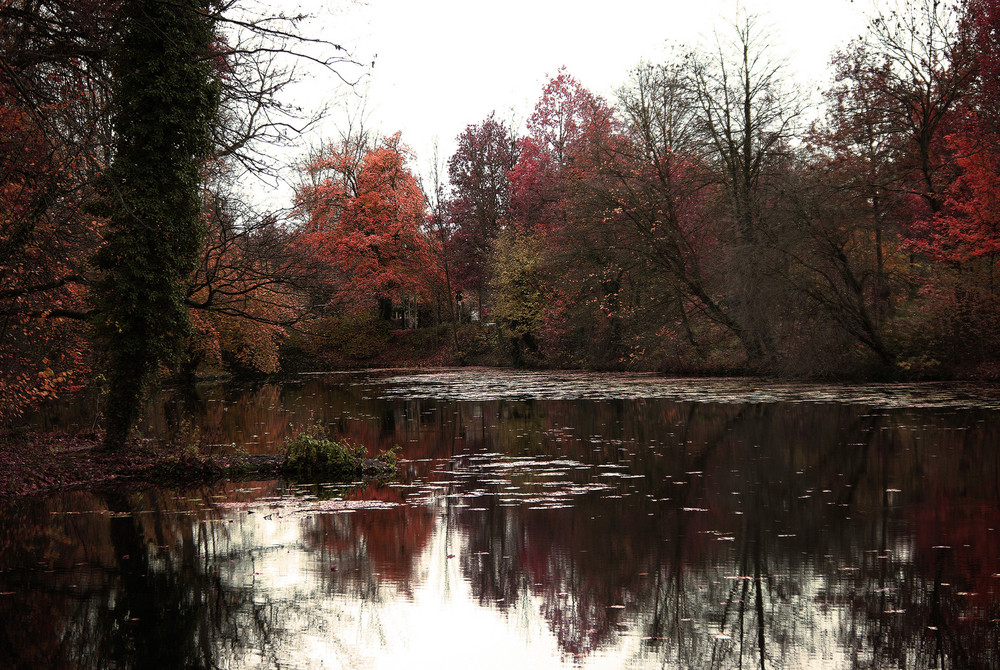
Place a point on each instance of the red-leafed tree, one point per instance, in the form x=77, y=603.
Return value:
x=901, y=90
x=594, y=266
x=961, y=237
x=363, y=211
x=967, y=226
x=967, y=229
x=558, y=126
x=479, y=201
x=898, y=94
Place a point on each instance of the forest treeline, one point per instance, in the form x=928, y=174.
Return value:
x=708, y=218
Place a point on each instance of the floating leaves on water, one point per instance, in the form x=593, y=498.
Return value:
x=301, y=507
x=472, y=385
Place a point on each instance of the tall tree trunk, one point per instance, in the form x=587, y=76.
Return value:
x=165, y=97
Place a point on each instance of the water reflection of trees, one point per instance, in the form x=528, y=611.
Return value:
x=368, y=550
x=164, y=579
x=788, y=534
x=126, y=581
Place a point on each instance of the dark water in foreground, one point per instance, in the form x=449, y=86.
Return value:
x=540, y=521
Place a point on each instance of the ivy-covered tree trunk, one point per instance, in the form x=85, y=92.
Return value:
x=165, y=98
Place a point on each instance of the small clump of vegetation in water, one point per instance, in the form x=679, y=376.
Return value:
x=312, y=454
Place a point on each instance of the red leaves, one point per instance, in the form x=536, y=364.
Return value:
x=969, y=226
x=564, y=114
x=567, y=123
x=364, y=213
x=45, y=241
x=984, y=20
x=480, y=202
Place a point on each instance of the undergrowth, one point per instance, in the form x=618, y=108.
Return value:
x=312, y=454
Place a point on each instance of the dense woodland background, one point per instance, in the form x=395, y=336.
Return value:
x=707, y=219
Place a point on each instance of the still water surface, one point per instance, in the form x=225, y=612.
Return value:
x=540, y=521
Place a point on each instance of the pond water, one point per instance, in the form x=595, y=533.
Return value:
x=539, y=521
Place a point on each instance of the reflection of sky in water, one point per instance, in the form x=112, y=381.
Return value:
x=440, y=622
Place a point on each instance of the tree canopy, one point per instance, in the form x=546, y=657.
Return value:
x=702, y=219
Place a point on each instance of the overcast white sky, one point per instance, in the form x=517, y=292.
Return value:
x=441, y=65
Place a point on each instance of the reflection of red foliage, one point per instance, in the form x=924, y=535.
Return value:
x=376, y=491
x=389, y=541
x=967, y=537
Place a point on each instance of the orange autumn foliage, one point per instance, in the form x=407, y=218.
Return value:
x=45, y=240
x=364, y=214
